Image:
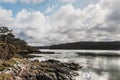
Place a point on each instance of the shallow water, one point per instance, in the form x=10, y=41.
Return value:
x=94, y=68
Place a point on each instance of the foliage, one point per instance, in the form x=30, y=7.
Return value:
x=10, y=45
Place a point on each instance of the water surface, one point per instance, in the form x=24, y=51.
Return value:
x=94, y=68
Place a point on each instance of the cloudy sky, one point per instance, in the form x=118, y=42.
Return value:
x=47, y=22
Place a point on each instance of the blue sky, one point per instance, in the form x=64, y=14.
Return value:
x=48, y=22
x=42, y=6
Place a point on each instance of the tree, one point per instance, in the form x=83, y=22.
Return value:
x=11, y=46
x=7, y=50
x=4, y=31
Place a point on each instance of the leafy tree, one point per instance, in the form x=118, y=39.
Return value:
x=7, y=50
x=4, y=31
x=10, y=46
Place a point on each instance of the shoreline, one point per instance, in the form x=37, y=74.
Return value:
x=24, y=69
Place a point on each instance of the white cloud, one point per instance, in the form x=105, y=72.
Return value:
x=75, y=24
x=94, y=23
x=6, y=17
x=33, y=26
x=49, y=9
x=8, y=1
x=23, y=1
x=69, y=1
x=32, y=1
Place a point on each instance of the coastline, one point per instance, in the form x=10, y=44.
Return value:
x=24, y=69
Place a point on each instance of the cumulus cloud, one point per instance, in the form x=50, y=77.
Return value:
x=111, y=22
x=49, y=9
x=33, y=25
x=96, y=22
x=74, y=24
x=6, y=18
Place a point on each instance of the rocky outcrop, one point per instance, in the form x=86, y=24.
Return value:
x=16, y=67
x=10, y=46
x=6, y=37
x=35, y=70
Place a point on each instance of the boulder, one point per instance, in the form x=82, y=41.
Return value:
x=44, y=70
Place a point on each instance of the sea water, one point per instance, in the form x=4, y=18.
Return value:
x=94, y=68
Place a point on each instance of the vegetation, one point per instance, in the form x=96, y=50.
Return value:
x=87, y=45
x=11, y=46
x=16, y=67
x=5, y=76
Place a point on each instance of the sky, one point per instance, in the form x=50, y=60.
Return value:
x=48, y=22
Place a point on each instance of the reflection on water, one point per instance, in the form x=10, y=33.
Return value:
x=94, y=68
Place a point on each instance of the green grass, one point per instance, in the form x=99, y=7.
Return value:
x=4, y=76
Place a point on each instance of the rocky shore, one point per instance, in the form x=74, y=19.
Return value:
x=14, y=64
x=23, y=69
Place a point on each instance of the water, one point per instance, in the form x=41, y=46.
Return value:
x=94, y=68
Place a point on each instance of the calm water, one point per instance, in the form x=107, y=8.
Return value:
x=94, y=68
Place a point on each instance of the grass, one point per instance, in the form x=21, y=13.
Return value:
x=4, y=76
x=8, y=64
x=11, y=62
x=2, y=68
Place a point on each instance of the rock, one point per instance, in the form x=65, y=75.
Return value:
x=33, y=73
x=43, y=77
x=35, y=64
x=1, y=63
x=44, y=70
x=10, y=78
x=17, y=78
x=15, y=67
x=56, y=70
x=52, y=61
x=23, y=73
x=21, y=65
x=33, y=78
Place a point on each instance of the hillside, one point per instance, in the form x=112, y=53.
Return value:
x=15, y=66
x=11, y=46
x=113, y=45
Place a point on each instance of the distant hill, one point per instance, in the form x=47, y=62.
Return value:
x=113, y=45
